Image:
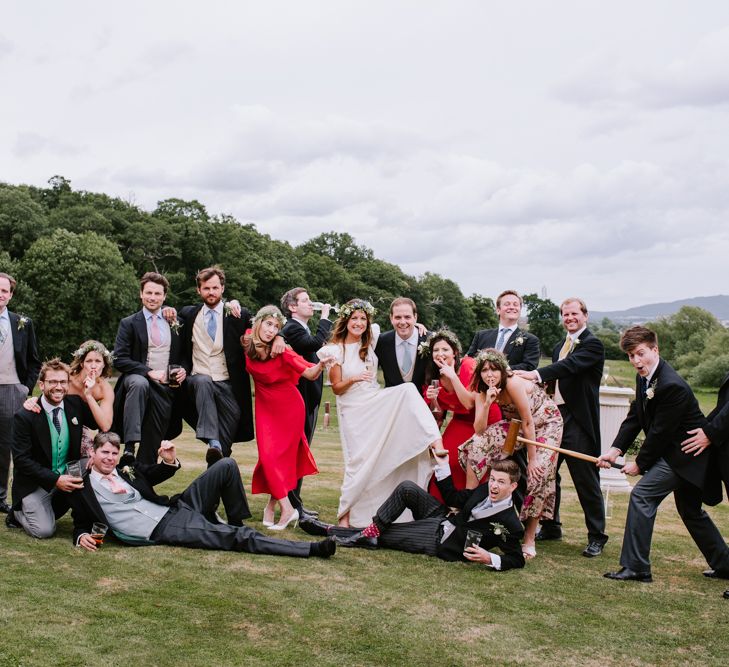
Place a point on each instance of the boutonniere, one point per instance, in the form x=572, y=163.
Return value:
x=175, y=326
x=74, y=421
x=227, y=310
x=500, y=529
x=518, y=341
x=424, y=349
x=22, y=321
x=128, y=471
x=651, y=391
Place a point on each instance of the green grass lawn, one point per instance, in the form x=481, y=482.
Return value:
x=173, y=606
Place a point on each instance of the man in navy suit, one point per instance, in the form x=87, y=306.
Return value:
x=19, y=366
x=520, y=347
x=665, y=409
x=144, y=403
x=575, y=375
x=43, y=442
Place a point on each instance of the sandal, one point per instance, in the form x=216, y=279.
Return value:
x=528, y=552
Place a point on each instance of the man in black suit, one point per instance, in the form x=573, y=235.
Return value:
x=42, y=444
x=576, y=374
x=19, y=366
x=520, y=348
x=146, y=344
x=218, y=385
x=397, y=350
x=665, y=409
x=297, y=307
x=123, y=497
x=488, y=510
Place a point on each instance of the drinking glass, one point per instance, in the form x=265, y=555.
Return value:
x=98, y=531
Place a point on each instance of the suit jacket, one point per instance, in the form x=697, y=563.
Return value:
x=522, y=356
x=303, y=343
x=233, y=329
x=32, y=458
x=664, y=419
x=130, y=358
x=717, y=430
x=579, y=375
x=385, y=351
x=508, y=542
x=27, y=361
x=86, y=508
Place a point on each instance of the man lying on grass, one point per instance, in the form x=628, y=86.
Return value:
x=124, y=498
x=487, y=521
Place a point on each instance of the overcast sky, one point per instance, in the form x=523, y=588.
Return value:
x=580, y=146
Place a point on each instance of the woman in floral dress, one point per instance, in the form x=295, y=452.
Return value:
x=541, y=420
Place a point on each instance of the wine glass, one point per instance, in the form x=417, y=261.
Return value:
x=434, y=407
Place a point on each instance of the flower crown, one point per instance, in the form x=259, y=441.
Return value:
x=425, y=348
x=94, y=346
x=492, y=357
x=358, y=304
x=270, y=311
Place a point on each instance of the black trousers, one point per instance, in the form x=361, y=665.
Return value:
x=586, y=478
x=191, y=521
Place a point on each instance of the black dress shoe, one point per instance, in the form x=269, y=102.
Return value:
x=549, y=534
x=127, y=458
x=313, y=526
x=626, y=574
x=324, y=549
x=305, y=510
x=213, y=455
x=726, y=594
x=593, y=549
x=10, y=521
x=357, y=540
x=716, y=574
x=5, y=508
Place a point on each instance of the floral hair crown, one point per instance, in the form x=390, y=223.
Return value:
x=425, y=349
x=270, y=311
x=493, y=357
x=94, y=346
x=358, y=304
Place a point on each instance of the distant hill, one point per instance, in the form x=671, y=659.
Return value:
x=717, y=305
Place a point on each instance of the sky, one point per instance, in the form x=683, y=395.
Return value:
x=579, y=147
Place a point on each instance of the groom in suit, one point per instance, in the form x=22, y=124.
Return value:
x=575, y=374
x=19, y=366
x=42, y=444
x=125, y=500
x=520, y=347
x=665, y=409
x=143, y=401
x=488, y=510
x=397, y=350
x=296, y=306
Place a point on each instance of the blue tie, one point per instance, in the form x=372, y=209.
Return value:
x=212, y=324
x=500, y=339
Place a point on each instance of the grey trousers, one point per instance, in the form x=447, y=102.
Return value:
x=12, y=397
x=39, y=511
x=645, y=498
x=218, y=412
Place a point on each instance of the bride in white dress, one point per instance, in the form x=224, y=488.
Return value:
x=386, y=433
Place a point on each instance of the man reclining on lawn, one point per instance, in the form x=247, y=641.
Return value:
x=487, y=511
x=125, y=500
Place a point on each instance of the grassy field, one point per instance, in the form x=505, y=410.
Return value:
x=174, y=606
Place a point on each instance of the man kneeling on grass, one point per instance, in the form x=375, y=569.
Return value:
x=486, y=521
x=124, y=498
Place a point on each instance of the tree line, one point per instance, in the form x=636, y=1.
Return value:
x=78, y=255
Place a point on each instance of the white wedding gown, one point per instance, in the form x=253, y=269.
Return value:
x=385, y=437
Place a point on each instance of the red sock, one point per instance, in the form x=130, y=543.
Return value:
x=371, y=531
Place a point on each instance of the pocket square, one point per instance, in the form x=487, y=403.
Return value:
x=74, y=421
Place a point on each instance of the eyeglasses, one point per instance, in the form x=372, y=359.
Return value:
x=55, y=383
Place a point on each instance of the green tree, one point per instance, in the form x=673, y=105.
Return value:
x=684, y=332
x=484, y=311
x=82, y=289
x=341, y=247
x=22, y=220
x=544, y=321
x=450, y=306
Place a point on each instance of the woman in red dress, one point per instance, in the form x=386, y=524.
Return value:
x=283, y=452
x=454, y=374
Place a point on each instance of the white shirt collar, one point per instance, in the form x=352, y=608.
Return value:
x=649, y=377
x=301, y=322
x=5, y=316
x=413, y=340
x=512, y=328
x=577, y=334
x=148, y=314
x=48, y=407
x=218, y=309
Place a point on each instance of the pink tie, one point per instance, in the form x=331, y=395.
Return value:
x=156, y=337
x=116, y=487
